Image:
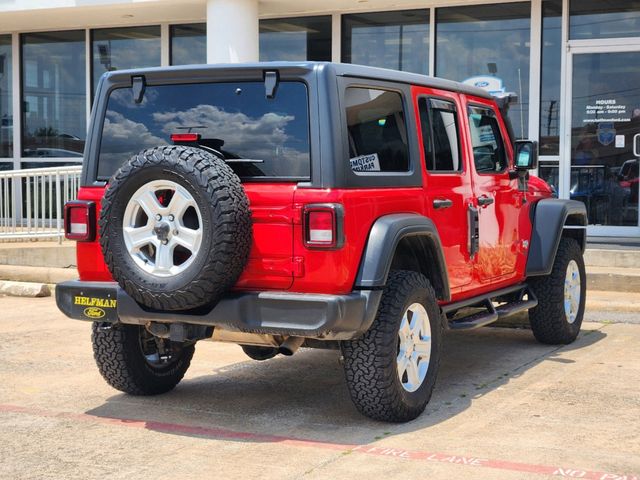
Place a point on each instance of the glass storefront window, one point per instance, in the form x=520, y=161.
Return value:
x=6, y=112
x=550, y=172
x=604, y=19
x=188, y=44
x=550, y=77
x=488, y=41
x=605, y=119
x=53, y=94
x=296, y=39
x=398, y=40
x=122, y=48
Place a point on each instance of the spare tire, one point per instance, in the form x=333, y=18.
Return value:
x=175, y=228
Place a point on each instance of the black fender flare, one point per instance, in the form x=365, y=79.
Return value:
x=549, y=225
x=384, y=238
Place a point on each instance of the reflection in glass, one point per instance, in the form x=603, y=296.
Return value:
x=6, y=112
x=550, y=77
x=549, y=173
x=488, y=40
x=188, y=44
x=296, y=39
x=122, y=48
x=265, y=137
x=49, y=164
x=604, y=19
x=397, y=40
x=605, y=118
x=53, y=94
x=6, y=166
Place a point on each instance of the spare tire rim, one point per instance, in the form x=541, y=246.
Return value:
x=414, y=347
x=162, y=228
x=572, y=291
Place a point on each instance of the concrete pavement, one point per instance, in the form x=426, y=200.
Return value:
x=504, y=407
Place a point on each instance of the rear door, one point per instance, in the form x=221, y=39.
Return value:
x=496, y=194
x=447, y=178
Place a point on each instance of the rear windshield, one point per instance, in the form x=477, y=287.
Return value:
x=259, y=137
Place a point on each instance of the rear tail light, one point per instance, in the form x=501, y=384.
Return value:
x=185, y=137
x=80, y=221
x=323, y=226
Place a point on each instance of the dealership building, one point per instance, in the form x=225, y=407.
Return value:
x=574, y=64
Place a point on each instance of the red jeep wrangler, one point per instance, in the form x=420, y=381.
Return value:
x=282, y=205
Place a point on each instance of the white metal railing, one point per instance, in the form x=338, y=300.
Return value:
x=32, y=200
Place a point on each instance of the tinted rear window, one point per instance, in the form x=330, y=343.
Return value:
x=234, y=118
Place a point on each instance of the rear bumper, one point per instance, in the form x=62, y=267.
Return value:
x=321, y=316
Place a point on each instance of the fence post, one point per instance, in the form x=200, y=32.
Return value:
x=58, y=206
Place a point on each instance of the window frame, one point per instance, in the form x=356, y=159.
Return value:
x=93, y=81
x=455, y=111
x=171, y=35
x=21, y=88
x=507, y=160
x=410, y=178
x=346, y=46
x=302, y=17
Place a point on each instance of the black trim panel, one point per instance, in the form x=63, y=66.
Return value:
x=384, y=237
x=550, y=218
x=321, y=316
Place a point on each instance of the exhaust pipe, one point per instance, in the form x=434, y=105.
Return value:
x=290, y=346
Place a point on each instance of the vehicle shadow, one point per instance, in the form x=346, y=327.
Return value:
x=305, y=396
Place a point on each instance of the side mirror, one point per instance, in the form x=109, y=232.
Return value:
x=526, y=155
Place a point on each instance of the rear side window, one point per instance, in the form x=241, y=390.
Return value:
x=488, y=148
x=439, y=124
x=260, y=137
x=377, y=131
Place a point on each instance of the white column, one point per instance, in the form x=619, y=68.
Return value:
x=232, y=31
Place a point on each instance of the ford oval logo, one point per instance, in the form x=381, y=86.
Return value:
x=482, y=84
x=94, y=312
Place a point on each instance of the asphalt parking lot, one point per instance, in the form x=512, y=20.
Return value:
x=504, y=407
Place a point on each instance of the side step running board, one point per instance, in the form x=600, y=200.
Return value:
x=491, y=313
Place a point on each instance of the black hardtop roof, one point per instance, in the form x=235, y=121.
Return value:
x=338, y=69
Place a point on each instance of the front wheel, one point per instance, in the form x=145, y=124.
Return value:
x=135, y=362
x=561, y=297
x=391, y=370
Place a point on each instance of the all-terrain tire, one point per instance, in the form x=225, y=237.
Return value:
x=118, y=353
x=226, y=225
x=259, y=353
x=370, y=362
x=549, y=320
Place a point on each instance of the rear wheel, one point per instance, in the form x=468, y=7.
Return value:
x=391, y=370
x=133, y=361
x=561, y=297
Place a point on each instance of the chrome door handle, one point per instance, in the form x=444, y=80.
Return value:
x=484, y=200
x=442, y=203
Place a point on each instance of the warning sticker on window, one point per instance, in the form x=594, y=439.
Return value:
x=365, y=163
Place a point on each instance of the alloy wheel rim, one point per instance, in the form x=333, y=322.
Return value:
x=414, y=347
x=572, y=291
x=162, y=228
